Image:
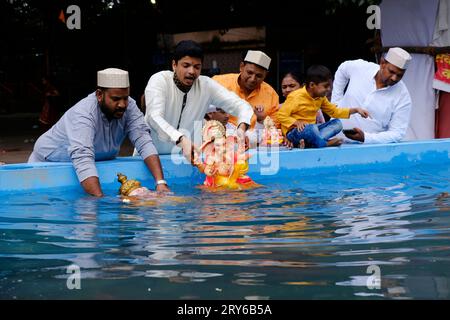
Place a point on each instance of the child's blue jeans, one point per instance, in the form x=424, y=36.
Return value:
x=315, y=136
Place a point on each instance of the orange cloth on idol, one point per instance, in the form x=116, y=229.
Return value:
x=265, y=95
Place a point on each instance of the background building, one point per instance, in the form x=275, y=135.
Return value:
x=51, y=37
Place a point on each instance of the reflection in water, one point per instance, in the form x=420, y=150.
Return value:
x=369, y=216
x=293, y=239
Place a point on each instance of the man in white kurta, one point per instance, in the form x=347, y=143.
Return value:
x=379, y=90
x=176, y=101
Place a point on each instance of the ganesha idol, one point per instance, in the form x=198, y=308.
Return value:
x=225, y=161
x=133, y=188
x=132, y=192
x=272, y=136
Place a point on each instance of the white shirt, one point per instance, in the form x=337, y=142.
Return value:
x=389, y=107
x=164, y=103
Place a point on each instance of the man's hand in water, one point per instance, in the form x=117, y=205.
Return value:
x=162, y=188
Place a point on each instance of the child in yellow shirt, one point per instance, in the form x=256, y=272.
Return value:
x=298, y=114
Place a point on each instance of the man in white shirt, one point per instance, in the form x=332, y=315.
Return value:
x=379, y=90
x=176, y=101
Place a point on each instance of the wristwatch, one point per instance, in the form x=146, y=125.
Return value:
x=162, y=181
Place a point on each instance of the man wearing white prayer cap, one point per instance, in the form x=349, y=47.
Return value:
x=249, y=85
x=380, y=90
x=398, y=57
x=94, y=130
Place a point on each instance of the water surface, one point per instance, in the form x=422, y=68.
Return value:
x=312, y=237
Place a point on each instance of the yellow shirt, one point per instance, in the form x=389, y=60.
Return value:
x=265, y=96
x=300, y=105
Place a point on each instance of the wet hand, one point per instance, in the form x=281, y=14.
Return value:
x=162, y=188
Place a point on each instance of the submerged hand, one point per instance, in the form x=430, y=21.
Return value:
x=162, y=188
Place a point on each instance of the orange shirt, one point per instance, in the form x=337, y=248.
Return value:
x=265, y=96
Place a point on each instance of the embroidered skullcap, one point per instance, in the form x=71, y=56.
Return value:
x=259, y=58
x=113, y=78
x=398, y=57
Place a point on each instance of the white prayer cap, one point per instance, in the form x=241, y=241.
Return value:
x=211, y=108
x=113, y=78
x=259, y=58
x=398, y=57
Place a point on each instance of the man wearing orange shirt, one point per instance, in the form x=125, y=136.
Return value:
x=249, y=85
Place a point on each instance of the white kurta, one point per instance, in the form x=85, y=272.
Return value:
x=389, y=107
x=164, y=109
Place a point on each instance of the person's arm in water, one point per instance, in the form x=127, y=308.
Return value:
x=91, y=186
x=80, y=133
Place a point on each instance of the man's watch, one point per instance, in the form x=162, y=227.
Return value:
x=162, y=181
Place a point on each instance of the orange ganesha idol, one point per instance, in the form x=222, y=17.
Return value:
x=272, y=135
x=225, y=162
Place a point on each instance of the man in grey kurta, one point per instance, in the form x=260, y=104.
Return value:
x=94, y=130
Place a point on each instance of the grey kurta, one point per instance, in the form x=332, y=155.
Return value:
x=84, y=135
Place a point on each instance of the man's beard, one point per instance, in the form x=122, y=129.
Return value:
x=110, y=115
